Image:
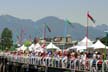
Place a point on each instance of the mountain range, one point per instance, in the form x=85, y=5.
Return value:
x=36, y=28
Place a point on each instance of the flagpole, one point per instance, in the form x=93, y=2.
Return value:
x=91, y=18
x=87, y=32
x=65, y=33
x=44, y=32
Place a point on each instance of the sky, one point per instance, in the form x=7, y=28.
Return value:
x=74, y=10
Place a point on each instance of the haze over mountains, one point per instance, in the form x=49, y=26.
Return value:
x=35, y=28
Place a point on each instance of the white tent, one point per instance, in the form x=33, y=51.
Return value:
x=18, y=49
x=98, y=45
x=77, y=48
x=82, y=44
x=38, y=48
x=73, y=47
x=52, y=46
x=23, y=48
x=31, y=47
x=84, y=41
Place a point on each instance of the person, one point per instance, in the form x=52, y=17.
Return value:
x=99, y=63
x=98, y=55
x=68, y=60
x=64, y=61
x=94, y=63
x=94, y=55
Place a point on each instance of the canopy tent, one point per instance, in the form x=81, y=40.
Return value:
x=18, y=49
x=52, y=46
x=73, y=47
x=84, y=41
x=38, y=48
x=82, y=44
x=80, y=48
x=31, y=47
x=99, y=45
x=23, y=48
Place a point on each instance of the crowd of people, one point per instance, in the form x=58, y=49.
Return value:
x=61, y=59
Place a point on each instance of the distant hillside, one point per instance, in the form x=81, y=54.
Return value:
x=31, y=28
x=102, y=27
x=77, y=31
x=16, y=25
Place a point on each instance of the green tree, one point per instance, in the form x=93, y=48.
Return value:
x=27, y=43
x=6, y=39
x=105, y=40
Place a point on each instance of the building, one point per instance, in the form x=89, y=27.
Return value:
x=62, y=42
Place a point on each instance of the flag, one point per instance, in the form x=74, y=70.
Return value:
x=90, y=17
x=68, y=22
x=48, y=27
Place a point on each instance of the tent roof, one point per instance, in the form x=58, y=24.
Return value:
x=31, y=47
x=83, y=42
x=98, y=45
x=37, y=46
x=77, y=47
x=39, y=50
x=23, y=48
x=52, y=46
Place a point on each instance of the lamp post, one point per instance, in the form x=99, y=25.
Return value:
x=106, y=32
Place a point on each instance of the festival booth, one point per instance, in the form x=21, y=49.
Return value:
x=51, y=46
x=81, y=46
x=73, y=48
x=22, y=48
x=85, y=44
x=38, y=48
x=18, y=49
x=77, y=48
x=99, y=46
x=31, y=47
x=84, y=41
